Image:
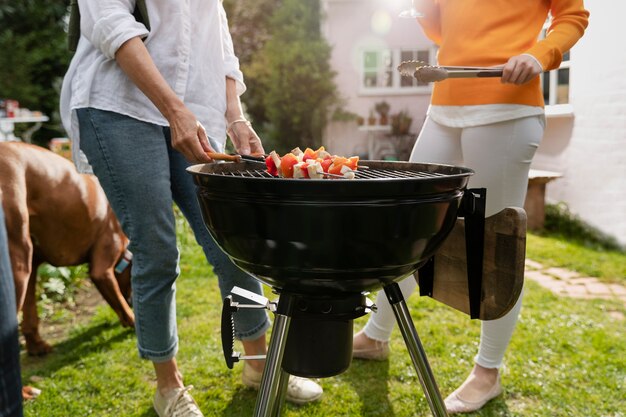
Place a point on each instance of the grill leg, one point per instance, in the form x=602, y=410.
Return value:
x=283, y=383
x=274, y=380
x=416, y=351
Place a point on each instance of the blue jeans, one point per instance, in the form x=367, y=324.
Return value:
x=143, y=176
x=10, y=375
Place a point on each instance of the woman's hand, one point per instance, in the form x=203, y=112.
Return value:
x=520, y=69
x=189, y=136
x=244, y=138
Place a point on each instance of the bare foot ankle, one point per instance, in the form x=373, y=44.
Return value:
x=256, y=365
x=255, y=347
x=364, y=347
x=481, y=385
x=362, y=341
x=168, y=376
x=479, y=382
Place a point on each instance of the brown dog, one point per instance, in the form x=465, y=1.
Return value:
x=56, y=215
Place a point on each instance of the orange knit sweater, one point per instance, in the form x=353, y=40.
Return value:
x=488, y=33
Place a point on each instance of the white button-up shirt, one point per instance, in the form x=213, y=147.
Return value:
x=190, y=43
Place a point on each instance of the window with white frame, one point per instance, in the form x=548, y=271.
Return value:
x=555, y=83
x=377, y=69
x=380, y=74
x=412, y=55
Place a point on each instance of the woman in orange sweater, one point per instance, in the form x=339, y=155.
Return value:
x=491, y=125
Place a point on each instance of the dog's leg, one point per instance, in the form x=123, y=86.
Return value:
x=21, y=253
x=20, y=244
x=107, y=285
x=35, y=345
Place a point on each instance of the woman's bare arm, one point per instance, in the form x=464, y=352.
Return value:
x=188, y=136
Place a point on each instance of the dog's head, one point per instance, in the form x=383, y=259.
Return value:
x=122, y=274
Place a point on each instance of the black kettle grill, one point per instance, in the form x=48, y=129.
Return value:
x=322, y=244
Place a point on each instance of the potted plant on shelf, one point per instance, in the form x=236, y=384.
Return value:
x=382, y=108
x=401, y=123
x=342, y=115
x=372, y=119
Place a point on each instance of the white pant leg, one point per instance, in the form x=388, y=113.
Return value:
x=503, y=170
x=495, y=336
x=436, y=143
x=380, y=324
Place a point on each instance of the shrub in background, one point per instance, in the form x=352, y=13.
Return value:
x=562, y=222
x=34, y=57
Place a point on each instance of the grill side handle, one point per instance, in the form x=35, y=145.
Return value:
x=228, y=331
x=228, y=323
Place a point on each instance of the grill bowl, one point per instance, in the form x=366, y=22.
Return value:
x=315, y=236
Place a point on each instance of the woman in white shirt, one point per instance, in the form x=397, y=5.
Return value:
x=142, y=106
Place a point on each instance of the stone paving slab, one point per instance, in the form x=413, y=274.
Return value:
x=567, y=283
x=562, y=273
x=617, y=289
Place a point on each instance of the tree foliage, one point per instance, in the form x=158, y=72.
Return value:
x=34, y=56
x=289, y=79
x=284, y=58
x=249, y=22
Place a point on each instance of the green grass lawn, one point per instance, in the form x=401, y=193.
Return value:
x=607, y=265
x=567, y=358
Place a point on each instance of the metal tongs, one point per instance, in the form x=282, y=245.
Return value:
x=431, y=73
x=217, y=156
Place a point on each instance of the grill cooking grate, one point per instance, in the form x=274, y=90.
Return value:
x=361, y=173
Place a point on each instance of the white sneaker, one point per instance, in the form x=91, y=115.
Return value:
x=176, y=403
x=299, y=390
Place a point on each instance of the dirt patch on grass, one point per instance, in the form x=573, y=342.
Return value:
x=62, y=317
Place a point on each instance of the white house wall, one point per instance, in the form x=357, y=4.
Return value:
x=589, y=147
x=349, y=26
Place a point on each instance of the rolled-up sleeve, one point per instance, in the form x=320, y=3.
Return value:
x=107, y=24
x=231, y=62
x=569, y=21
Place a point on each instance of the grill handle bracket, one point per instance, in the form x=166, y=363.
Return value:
x=370, y=306
x=472, y=209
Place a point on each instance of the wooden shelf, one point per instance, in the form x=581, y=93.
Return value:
x=375, y=128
